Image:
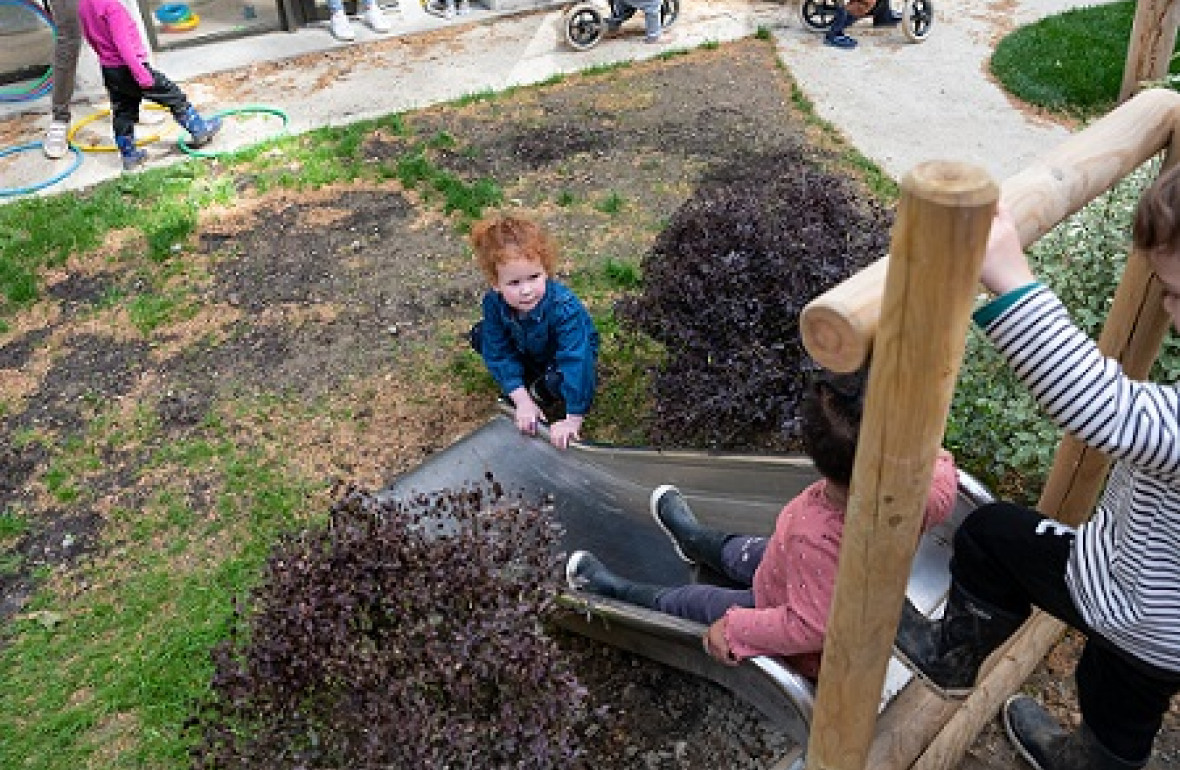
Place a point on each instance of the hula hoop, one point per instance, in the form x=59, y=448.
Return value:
x=248, y=110
x=170, y=13
x=45, y=84
x=7, y=191
x=182, y=26
x=106, y=147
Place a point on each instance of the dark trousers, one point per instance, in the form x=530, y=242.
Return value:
x=126, y=96
x=1016, y=558
x=740, y=557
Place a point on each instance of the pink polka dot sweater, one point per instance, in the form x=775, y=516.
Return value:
x=793, y=585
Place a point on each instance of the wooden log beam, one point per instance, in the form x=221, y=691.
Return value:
x=938, y=242
x=838, y=327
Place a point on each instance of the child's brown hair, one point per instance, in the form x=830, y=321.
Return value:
x=1157, y=219
x=498, y=240
x=829, y=420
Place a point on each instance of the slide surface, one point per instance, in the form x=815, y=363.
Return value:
x=600, y=495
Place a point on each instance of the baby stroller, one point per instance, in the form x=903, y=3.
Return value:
x=917, y=16
x=586, y=23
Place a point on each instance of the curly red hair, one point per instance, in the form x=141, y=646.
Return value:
x=498, y=240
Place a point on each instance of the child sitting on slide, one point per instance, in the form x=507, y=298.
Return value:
x=788, y=579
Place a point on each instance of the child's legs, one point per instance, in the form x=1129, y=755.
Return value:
x=702, y=603
x=740, y=557
x=65, y=56
x=125, y=97
x=167, y=94
x=651, y=15
x=1011, y=557
x=1123, y=700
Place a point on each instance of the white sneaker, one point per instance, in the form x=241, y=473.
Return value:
x=56, y=143
x=341, y=28
x=376, y=19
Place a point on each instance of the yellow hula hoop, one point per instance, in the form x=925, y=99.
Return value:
x=182, y=26
x=107, y=147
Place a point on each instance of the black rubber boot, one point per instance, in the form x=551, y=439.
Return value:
x=694, y=543
x=1046, y=746
x=947, y=653
x=584, y=572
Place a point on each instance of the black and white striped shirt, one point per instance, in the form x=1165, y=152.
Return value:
x=1124, y=573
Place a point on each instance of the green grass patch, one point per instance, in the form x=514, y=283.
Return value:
x=1043, y=63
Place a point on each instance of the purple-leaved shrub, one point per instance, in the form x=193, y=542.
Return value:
x=399, y=635
x=723, y=287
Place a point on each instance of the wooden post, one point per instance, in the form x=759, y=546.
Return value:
x=1153, y=39
x=938, y=241
x=838, y=326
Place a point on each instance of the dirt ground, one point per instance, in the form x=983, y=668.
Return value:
x=333, y=295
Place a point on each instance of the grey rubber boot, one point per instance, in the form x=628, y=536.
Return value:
x=693, y=542
x=584, y=572
x=1045, y=745
x=947, y=653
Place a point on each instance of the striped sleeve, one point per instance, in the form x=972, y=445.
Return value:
x=1086, y=393
x=1124, y=571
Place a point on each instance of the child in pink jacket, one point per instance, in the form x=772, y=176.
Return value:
x=114, y=36
x=787, y=580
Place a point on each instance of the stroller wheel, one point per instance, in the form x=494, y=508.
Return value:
x=818, y=15
x=669, y=12
x=584, y=26
x=917, y=17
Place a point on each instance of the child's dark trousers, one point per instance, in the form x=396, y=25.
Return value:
x=126, y=96
x=1014, y=557
x=705, y=603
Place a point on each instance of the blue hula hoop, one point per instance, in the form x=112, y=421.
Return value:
x=45, y=84
x=9, y=191
x=171, y=13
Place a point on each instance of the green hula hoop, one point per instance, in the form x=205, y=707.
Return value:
x=248, y=110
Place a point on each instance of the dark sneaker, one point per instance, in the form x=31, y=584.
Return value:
x=890, y=18
x=672, y=513
x=584, y=572
x=840, y=41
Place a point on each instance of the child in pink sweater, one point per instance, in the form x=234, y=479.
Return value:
x=787, y=580
x=114, y=36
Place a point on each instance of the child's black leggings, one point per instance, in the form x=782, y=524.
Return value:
x=126, y=96
x=1014, y=557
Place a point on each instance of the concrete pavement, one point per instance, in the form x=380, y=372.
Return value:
x=898, y=102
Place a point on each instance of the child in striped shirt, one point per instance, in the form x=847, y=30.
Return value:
x=1115, y=578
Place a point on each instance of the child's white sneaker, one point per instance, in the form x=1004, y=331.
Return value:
x=340, y=26
x=56, y=142
x=376, y=19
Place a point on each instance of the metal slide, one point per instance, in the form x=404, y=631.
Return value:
x=600, y=494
